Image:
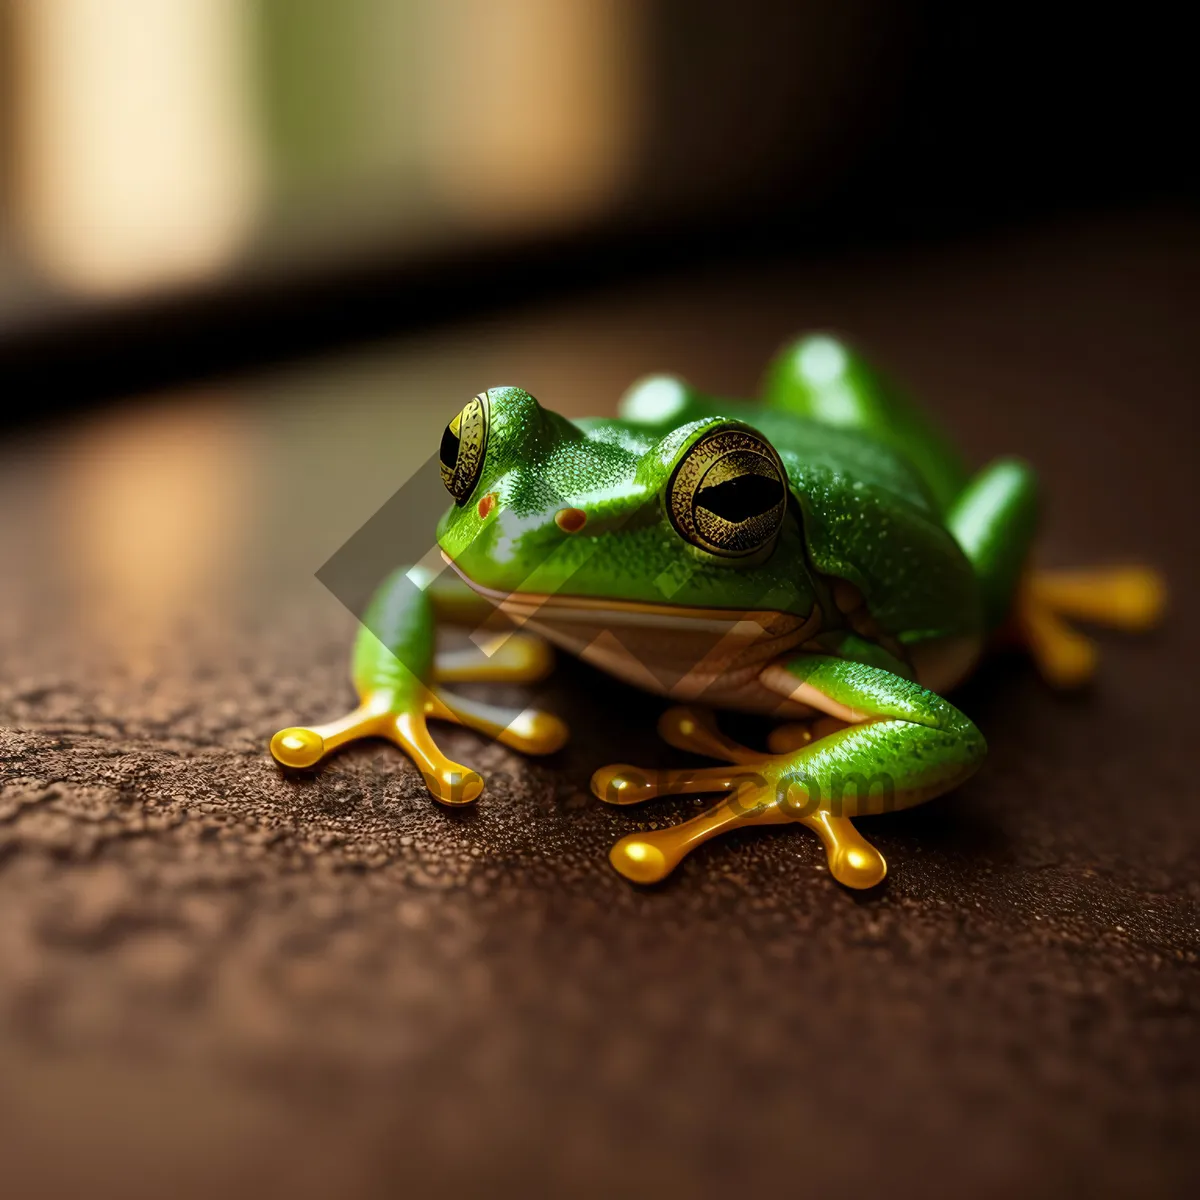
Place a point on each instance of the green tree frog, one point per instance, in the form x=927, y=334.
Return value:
x=823, y=558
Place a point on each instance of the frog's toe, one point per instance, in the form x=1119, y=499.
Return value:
x=405, y=722
x=795, y=735
x=1130, y=597
x=685, y=728
x=298, y=747
x=651, y=855
x=1126, y=598
x=640, y=860
x=448, y=782
x=788, y=738
x=379, y=716
x=624, y=784
x=528, y=730
x=1064, y=657
x=853, y=861
x=695, y=730
x=305, y=746
x=501, y=658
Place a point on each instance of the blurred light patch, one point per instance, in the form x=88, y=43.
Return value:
x=533, y=106
x=151, y=514
x=340, y=85
x=165, y=143
x=137, y=155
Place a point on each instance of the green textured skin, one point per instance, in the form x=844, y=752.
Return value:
x=994, y=519
x=393, y=652
x=861, y=512
x=917, y=747
x=538, y=463
x=868, y=516
x=821, y=378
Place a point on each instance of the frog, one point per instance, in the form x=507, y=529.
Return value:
x=821, y=556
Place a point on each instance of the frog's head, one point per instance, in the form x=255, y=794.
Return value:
x=602, y=517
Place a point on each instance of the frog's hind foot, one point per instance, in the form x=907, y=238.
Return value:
x=401, y=715
x=753, y=795
x=1127, y=598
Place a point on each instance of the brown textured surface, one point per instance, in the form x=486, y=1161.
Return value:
x=213, y=976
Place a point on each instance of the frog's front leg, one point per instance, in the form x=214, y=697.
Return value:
x=898, y=744
x=397, y=673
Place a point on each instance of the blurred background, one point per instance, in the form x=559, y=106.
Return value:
x=192, y=185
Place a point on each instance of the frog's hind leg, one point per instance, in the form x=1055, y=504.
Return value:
x=906, y=745
x=826, y=380
x=994, y=520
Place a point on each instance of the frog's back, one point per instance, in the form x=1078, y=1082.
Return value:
x=870, y=520
x=808, y=446
x=658, y=405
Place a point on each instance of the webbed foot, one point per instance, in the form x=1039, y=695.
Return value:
x=1126, y=598
x=401, y=713
x=756, y=792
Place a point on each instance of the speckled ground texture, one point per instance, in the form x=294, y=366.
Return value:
x=218, y=978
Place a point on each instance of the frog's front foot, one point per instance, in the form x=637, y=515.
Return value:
x=401, y=714
x=757, y=792
x=1126, y=598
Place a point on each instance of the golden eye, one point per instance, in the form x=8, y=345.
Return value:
x=728, y=494
x=464, y=445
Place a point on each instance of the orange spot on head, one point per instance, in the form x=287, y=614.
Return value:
x=570, y=520
x=487, y=504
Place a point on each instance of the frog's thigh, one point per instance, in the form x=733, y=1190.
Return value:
x=829, y=715
x=824, y=379
x=994, y=519
x=915, y=743
x=901, y=744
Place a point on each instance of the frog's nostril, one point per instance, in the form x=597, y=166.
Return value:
x=570, y=520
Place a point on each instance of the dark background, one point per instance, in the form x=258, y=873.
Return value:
x=763, y=131
x=217, y=977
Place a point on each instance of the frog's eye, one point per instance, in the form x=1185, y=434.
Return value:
x=728, y=493
x=464, y=445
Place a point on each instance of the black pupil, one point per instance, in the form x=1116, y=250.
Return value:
x=740, y=499
x=449, y=451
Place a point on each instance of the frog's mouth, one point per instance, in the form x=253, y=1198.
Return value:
x=671, y=649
